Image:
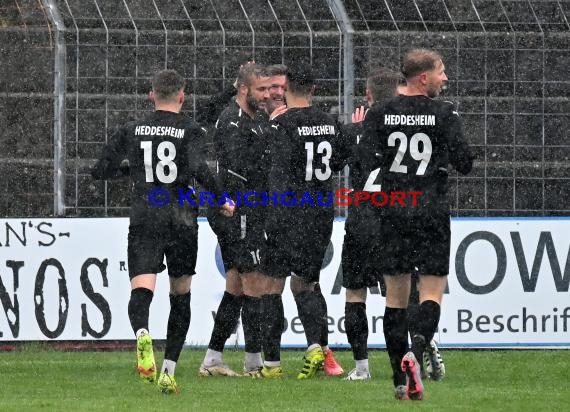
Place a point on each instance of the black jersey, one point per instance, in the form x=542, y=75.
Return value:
x=165, y=150
x=212, y=108
x=306, y=152
x=242, y=150
x=407, y=145
x=358, y=216
x=352, y=133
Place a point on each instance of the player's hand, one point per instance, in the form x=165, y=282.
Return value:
x=359, y=114
x=124, y=168
x=228, y=208
x=280, y=110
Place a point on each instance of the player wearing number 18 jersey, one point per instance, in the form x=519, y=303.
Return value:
x=407, y=145
x=165, y=150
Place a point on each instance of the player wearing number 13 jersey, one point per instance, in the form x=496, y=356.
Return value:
x=165, y=150
x=299, y=228
x=407, y=145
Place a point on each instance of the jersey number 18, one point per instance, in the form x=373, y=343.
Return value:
x=166, y=170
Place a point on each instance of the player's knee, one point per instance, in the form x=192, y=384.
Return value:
x=299, y=285
x=181, y=285
x=356, y=295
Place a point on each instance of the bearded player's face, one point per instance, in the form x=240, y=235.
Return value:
x=436, y=78
x=258, y=93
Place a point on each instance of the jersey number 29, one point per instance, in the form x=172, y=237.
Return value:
x=166, y=152
x=422, y=156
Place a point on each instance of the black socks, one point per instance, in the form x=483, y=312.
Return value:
x=356, y=325
x=139, y=306
x=396, y=335
x=178, y=325
x=226, y=321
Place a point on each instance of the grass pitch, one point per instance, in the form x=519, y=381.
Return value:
x=36, y=379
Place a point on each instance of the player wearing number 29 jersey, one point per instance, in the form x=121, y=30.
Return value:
x=408, y=143
x=407, y=146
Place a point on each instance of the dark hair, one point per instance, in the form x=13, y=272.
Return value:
x=418, y=61
x=277, y=70
x=250, y=70
x=167, y=83
x=382, y=83
x=301, y=78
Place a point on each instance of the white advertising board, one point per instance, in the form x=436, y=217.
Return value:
x=67, y=279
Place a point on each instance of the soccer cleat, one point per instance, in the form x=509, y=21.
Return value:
x=411, y=367
x=356, y=375
x=330, y=365
x=254, y=373
x=146, y=366
x=435, y=368
x=401, y=393
x=313, y=361
x=167, y=384
x=271, y=372
x=220, y=369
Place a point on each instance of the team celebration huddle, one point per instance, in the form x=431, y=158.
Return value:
x=269, y=138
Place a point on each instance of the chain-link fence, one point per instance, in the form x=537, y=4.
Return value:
x=507, y=63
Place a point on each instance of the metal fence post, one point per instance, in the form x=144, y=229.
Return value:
x=59, y=70
x=337, y=7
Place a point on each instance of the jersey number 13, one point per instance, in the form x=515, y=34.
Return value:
x=323, y=148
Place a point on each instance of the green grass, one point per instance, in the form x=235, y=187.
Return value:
x=48, y=380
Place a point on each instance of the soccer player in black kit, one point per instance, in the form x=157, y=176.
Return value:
x=405, y=151
x=302, y=163
x=242, y=153
x=358, y=271
x=165, y=151
x=358, y=274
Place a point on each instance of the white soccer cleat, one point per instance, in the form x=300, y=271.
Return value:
x=356, y=375
x=435, y=367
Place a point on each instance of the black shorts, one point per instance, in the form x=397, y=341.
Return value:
x=159, y=232
x=360, y=254
x=241, y=238
x=419, y=243
x=299, y=249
